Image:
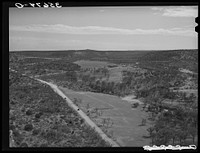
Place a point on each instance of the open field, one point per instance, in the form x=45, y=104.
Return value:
x=92, y=64
x=116, y=73
x=126, y=127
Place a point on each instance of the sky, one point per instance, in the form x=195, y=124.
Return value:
x=103, y=28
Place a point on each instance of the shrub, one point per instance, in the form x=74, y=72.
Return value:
x=13, y=102
x=28, y=127
x=143, y=122
x=18, y=138
x=64, y=129
x=12, y=127
x=29, y=112
x=12, y=117
x=51, y=135
x=44, y=145
x=38, y=115
x=135, y=105
x=36, y=132
x=23, y=109
x=24, y=144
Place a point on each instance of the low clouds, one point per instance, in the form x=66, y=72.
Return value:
x=181, y=11
x=98, y=30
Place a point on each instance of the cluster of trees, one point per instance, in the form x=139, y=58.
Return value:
x=101, y=72
x=57, y=65
x=33, y=60
x=40, y=66
x=143, y=83
x=71, y=76
x=146, y=82
x=173, y=124
x=103, y=86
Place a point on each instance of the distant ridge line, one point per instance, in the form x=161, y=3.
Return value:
x=102, y=50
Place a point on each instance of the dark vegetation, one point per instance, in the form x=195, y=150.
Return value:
x=157, y=79
x=174, y=113
x=38, y=117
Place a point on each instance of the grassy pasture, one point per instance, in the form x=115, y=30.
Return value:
x=126, y=121
x=92, y=64
x=114, y=72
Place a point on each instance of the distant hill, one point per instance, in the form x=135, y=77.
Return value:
x=179, y=58
x=187, y=59
x=171, y=55
x=114, y=56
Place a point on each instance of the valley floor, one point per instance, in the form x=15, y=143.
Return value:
x=126, y=128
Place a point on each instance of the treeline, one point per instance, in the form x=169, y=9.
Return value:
x=43, y=66
x=146, y=82
x=97, y=81
x=33, y=60
x=56, y=65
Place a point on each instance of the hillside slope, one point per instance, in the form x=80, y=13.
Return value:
x=40, y=118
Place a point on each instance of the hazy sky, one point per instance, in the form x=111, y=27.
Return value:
x=103, y=28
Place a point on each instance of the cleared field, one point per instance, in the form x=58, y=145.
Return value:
x=92, y=64
x=116, y=73
x=126, y=127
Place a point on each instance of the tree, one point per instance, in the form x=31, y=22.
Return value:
x=151, y=131
x=162, y=136
x=193, y=132
x=71, y=76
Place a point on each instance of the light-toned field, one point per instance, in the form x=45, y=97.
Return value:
x=116, y=73
x=92, y=64
x=126, y=128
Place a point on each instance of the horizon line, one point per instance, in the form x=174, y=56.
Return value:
x=99, y=50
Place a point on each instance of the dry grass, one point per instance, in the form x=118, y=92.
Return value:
x=126, y=121
x=91, y=64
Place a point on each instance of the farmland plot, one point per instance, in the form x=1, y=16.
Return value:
x=91, y=64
